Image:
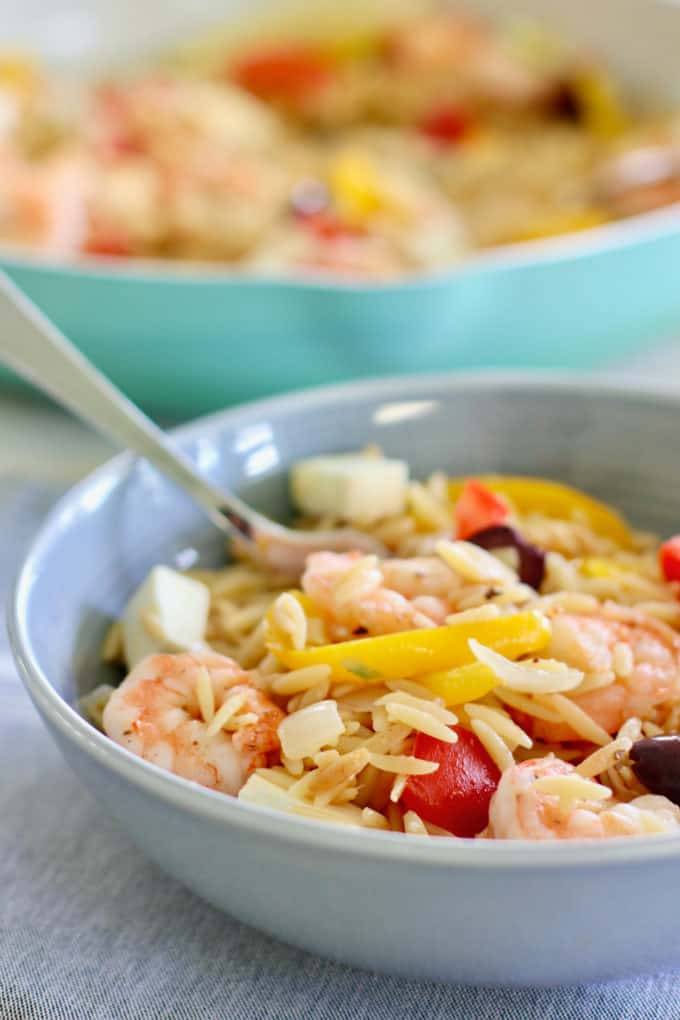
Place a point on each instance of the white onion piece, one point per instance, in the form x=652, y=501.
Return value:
x=305, y=732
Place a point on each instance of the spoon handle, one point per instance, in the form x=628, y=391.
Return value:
x=38, y=351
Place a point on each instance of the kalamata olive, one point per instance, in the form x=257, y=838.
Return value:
x=564, y=102
x=656, y=763
x=531, y=559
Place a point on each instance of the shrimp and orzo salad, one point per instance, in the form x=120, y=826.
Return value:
x=395, y=150
x=510, y=670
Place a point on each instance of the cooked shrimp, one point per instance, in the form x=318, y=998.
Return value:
x=429, y=46
x=520, y=811
x=45, y=205
x=315, y=246
x=184, y=165
x=155, y=713
x=596, y=643
x=361, y=593
x=163, y=115
x=641, y=179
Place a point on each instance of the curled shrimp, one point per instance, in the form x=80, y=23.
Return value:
x=641, y=179
x=519, y=810
x=46, y=205
x=156, y=714
x=432, y=44
x=362, y=594
x=642, y=655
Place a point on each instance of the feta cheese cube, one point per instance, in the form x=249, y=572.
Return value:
x=167, y=613
x=349, y=486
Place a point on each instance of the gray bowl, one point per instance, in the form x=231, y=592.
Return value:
x=511, y=913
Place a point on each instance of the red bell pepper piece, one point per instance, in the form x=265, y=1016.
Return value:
x=479, y=508
x=329, y=228
x=669, y=558
x=446, y=126
x=288, y=73
x=107, y=244
x=455, y=797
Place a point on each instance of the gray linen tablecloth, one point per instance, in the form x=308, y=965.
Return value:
x=90, y=930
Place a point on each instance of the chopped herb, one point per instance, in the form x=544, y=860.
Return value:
x=359, y=669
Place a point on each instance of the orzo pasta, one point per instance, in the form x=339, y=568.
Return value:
x=522, y=681
x=398, y=151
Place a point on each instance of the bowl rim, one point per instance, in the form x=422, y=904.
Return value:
x=260, y=821
x=612, y=237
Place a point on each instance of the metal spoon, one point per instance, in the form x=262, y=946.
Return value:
x=33, y=346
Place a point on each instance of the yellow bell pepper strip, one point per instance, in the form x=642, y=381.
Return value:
x=600, y=103
x=599, y=566
x=541, y=495
x=355, y=186
x=461, y=684
x=360, y=189
x=414, y=652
